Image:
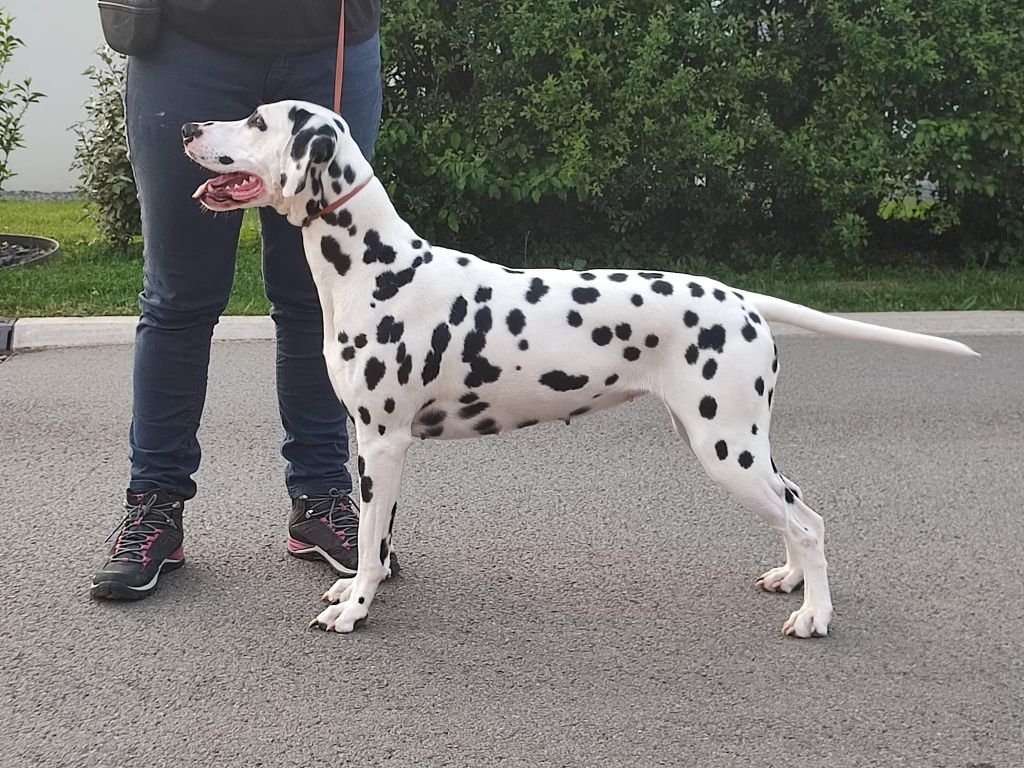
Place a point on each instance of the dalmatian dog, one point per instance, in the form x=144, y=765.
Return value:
x=427, y=342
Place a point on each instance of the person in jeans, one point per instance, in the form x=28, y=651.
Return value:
x=218, y=60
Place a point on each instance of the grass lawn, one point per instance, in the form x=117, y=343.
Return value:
x=92, y=279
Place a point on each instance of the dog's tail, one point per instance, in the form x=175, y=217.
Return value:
x=777, y=310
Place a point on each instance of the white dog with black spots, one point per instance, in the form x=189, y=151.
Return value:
x=422, y=341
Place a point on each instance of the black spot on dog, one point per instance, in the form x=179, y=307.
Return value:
x=695, y=290
x=530, y=423
x=789, y=496
x=348, y=353
x=770, y=393
x=663, y=287
x=404, y=364
x=376, y=250
x=482, y=295
x=337, y=189
x=481, y=371
x=334, y=169
x=462, y=261
x=389, y=331
x=601, y=335
x=579, y=411
x=432, y=432
x=637, y=300
x=650, y=275
x=708, y=407
x=690, y=319
x=469, y=397
x=692, y=353
x=560, y=381
x=574, y=318
x=381, y=429
x=364, y=415
x=360, y=341
x=753, y=429
x=754, y=317
x=611, y=379
x=331, y=250
x=389, y=405
x=283, y=180
x=710, y=368
x=515, y=321
x=487, y=427
x=349, y=174
x=722, y=449
x=712, y=338
x=374, y=372
x=745, y=459
x=474, y=409
x=366, y=488
x=340, y=218
x=459, y=309
x=439, y=341
x=513, y=271
x=759, y=385
x=585, y=295
x=631, y=353
x=416, y=244
x=749, y=332
x=738, y=295
x=524, y=344
x=299, y=118
x=536, y=291
x=390, y=283
x=719, y=294
x=432, y=417
x=651, y=341
x=623, y=331
x=587, y=275
x=618, y=277
x=343, y=337
x=428, y=257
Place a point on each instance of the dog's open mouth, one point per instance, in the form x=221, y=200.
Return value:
x=229, y=190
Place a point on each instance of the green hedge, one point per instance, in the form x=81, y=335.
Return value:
x=740, y=129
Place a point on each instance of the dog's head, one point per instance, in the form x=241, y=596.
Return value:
x=290, y=155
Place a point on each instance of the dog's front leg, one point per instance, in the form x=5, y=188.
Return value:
x=381, y=460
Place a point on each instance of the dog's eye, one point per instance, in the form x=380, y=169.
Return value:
x=256, y=121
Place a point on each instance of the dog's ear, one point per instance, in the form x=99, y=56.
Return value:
x=309, y=149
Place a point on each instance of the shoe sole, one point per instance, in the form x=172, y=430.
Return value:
x=116, y=590
x=305, y=551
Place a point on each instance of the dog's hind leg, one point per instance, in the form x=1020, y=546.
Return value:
x=381, y=461
x=741, y=463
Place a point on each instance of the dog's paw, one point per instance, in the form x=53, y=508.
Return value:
x=781, y=579
x=340, y=618
x=808, y=621
x=338, y=591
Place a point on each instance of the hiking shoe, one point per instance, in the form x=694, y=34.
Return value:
x=148, y=543
x=326, y=527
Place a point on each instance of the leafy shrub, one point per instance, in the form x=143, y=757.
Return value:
x=14, y=98
x=744, y=126
x=101, y=154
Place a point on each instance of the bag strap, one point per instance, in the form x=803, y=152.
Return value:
x=339, y=65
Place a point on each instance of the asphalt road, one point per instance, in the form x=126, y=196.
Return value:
x=571, y=596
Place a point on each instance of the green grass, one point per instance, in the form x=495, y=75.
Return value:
x=92, y=279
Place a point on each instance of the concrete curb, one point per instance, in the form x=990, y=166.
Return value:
x=33, y=333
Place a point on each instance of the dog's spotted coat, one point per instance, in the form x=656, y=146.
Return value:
x=426, y=342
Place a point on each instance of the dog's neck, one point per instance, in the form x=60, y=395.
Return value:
x=363, y=238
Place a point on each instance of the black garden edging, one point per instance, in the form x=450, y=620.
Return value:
x=20, y=250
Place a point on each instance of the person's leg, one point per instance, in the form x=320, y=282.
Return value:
x=189, y=253
x=324, y=523
x=189, y=259
x=315, y=445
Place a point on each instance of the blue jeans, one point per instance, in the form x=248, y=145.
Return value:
x=190, y=258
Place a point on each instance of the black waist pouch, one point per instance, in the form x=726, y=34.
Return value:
x=130, y=27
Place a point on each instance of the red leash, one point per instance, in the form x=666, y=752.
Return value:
x=339, y=64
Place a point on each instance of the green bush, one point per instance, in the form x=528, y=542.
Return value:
x=106, y=180
x=14, y=98
x=689, y=129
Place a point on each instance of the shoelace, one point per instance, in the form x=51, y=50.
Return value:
x=139, y=527
x=339, y=513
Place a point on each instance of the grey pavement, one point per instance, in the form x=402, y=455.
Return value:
x=571, y=596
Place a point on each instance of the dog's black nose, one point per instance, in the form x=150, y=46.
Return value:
x=190, y=131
